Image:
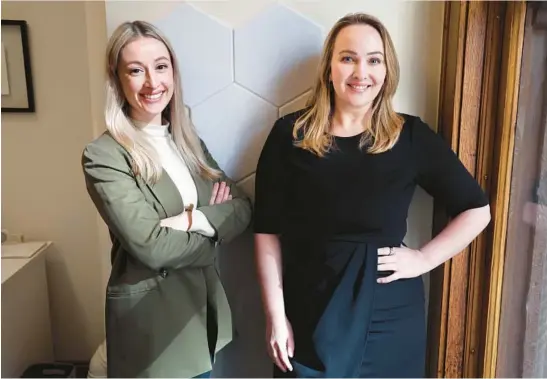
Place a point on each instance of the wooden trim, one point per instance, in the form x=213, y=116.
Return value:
x=453, y=42
x=481, y=52
x=478, y=273
x=513, y=38
x=467, y=149
x=450, y=97
x=460, y=124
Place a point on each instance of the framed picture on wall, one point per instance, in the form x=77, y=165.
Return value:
x=17, y=87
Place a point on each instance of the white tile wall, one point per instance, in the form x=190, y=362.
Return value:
x=234, y=124
x=276, y=54
x=236, y=82
x=204, y=50
x=248, y=186
x=296, y=104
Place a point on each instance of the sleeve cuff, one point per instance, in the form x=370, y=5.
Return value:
x=202, y=225
x=178, y=222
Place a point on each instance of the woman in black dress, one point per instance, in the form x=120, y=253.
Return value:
x=343, y=296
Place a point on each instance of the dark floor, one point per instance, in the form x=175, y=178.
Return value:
x=50, y=371
x=81, y=370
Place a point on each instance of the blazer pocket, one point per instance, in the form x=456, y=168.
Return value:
x=129, y=289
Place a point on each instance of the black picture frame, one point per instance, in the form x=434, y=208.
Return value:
x=22, y=98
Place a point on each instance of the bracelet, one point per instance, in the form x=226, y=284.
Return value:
x=189, y=209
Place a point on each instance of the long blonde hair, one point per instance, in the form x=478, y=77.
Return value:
x=312, y=127
x=145, y=162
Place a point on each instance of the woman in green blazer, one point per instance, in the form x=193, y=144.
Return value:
x=167, y=205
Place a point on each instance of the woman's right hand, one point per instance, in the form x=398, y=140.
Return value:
x=280, y=343
x=220, y=194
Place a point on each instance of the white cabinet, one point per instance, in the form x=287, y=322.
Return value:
x=26, y=325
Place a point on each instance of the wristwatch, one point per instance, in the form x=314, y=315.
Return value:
x=189, y=210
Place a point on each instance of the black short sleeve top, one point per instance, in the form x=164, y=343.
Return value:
x=351, y=191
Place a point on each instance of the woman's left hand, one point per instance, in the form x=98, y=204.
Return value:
x=220, y=193
x=403, y=262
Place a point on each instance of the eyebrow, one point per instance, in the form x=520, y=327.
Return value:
x=354, y=53
x=157, y=59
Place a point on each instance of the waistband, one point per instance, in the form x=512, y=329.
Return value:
x=359, y=238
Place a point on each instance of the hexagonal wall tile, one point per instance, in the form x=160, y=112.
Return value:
x=248, y=186
x=204, y=50
x=246, y=356
x=276, y=54
x=234, y=124
x=118, y=12
x=224, y=10
x=295, y=105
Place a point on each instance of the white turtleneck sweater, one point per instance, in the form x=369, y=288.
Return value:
x=173, y=163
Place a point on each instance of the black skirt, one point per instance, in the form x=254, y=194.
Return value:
x=345, y=324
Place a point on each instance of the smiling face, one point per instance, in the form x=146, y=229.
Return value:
x=358, y=69
x=146, y=76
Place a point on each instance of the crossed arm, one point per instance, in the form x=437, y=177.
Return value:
x=195, y=220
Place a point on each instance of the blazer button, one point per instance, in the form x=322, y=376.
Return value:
x=164, y=273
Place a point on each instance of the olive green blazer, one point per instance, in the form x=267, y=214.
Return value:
x=161, y=278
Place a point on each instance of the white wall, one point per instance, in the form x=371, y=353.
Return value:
x=43, y=191
x=238, y=57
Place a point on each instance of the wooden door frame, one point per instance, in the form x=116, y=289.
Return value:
x=482, y=49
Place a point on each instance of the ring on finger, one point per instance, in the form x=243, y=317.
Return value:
x=390, y=251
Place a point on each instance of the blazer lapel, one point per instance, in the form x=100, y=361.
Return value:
x=203, y=189
x=167, y=195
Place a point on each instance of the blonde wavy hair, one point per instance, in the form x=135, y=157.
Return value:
x=311, y=130
x=145, y=162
